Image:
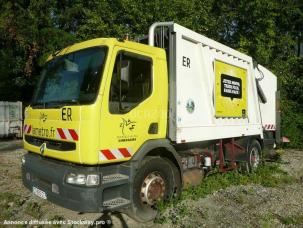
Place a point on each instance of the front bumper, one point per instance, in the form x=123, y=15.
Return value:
x=48, y=175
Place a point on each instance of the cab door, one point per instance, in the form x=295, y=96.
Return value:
x=134, y=106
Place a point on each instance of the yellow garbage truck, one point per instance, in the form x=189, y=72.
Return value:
x=118, y=125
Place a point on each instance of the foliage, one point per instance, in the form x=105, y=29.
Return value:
x=292, y=122
x=269, y=31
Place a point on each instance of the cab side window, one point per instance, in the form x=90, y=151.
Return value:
x=131, y=82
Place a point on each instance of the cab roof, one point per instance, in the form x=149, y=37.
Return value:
x=110, y=42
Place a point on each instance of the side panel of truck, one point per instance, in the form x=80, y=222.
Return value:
x=196, y=115
x=268, y=83
x=230, y=90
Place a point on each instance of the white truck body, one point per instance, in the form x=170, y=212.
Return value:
x=268, y=110
x=193, y=86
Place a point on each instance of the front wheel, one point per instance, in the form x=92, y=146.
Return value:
x=156, y=180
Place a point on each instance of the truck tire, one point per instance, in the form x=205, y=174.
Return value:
x=254, y=156
x=155, y=181
x=177, y=180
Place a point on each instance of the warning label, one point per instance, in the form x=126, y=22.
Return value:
x=230, y=90
x=231, y=86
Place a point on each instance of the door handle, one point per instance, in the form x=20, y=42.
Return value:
x=153, y=128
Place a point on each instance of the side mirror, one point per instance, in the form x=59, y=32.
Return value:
x=125, y=70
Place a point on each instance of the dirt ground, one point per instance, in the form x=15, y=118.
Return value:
x=236, y=206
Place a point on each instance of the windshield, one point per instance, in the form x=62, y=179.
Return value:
x=73, y=78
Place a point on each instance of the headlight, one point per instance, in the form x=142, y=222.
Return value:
x=92, y=180
x=23, y=160
x=83, y=179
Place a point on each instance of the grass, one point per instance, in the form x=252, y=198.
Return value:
x=269, y=175
x=292, y=220
x=9, y=202
x=268, y=220
x=34, y=209
x=57, y=218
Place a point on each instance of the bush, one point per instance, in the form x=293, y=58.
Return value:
x=292, y=123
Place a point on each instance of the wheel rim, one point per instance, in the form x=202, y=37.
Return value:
x=254, y=158
x=153, y=189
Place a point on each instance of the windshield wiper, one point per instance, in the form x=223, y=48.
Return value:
x=55, y=104
x=38, y=105
x=61, y=103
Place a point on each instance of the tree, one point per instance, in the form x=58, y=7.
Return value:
x=269, y=31
x=28, y=35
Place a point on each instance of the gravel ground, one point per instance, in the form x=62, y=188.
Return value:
x=250, y=205
x=236, y=206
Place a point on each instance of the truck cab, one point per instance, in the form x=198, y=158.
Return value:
x=97, y=101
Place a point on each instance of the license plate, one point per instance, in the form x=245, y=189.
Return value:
x=39, y=193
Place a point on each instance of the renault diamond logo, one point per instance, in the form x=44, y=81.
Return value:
x=42, y=148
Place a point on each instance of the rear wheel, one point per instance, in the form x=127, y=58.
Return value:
x=254, y=156
x=155, y=181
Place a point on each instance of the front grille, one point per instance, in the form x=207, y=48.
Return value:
x=50, y=143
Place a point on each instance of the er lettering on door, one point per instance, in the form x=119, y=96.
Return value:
x=67, y=114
